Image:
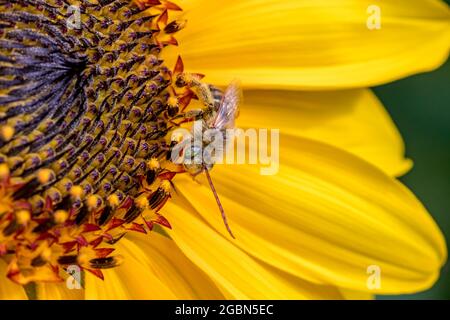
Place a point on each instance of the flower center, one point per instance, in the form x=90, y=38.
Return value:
x=86, y=105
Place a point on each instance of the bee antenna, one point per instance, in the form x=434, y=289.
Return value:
x=224, y=217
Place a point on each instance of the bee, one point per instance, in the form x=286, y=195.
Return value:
x=220, y=113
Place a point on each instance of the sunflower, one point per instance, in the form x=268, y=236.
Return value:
x=86, y=112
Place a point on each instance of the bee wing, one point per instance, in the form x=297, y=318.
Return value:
x=229, y=107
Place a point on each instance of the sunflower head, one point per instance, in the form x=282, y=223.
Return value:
x=85, y=110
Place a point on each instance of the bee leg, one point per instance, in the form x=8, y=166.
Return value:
x=174, y=123
x=194, y=177
x=189, y=116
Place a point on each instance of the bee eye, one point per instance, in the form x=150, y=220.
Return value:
x=180, y=83
x=172, y=111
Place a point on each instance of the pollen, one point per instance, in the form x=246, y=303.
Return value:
x=4, y=171
x=153, y=164
x=93, y=201
x=61, y=216
x=76, y=191
x=45, y=176
x=6, y=132
x=142, y=202
x=23, y=217
x=113, y=200
x=173, y=101
x=166, y=186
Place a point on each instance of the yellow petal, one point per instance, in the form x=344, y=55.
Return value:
x=174, y=269
x=235, y=272
x=132, y=280
x=353, y=120
x=356, y=295
x=153, y=269
x=326, y=217
x=58, y=291
x=8, y=289
x=312, y=44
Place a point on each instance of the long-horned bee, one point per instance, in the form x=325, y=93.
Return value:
x=219, y=113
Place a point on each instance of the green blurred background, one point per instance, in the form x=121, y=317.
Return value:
x=420, y=106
